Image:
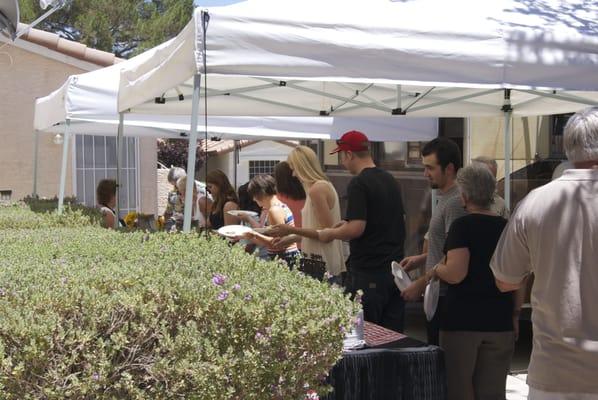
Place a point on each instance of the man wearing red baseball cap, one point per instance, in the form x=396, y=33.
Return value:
x=375, y=228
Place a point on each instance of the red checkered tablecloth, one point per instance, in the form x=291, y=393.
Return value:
x=375, y=335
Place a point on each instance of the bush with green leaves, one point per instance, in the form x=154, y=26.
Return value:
x=41, y=213
x=90, y=313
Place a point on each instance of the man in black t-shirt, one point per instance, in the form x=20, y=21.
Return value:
x=375, y=228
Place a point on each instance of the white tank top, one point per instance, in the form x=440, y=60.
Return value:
x=331, y=253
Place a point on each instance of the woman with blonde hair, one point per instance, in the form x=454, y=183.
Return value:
x=224, y=199
x=321, y=210
x=201, y=203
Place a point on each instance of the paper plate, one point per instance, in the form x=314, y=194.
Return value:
x=232, y=231
x=402, y=279
x=431, y=298
x=238, y=213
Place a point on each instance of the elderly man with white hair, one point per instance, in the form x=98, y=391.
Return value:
x=554, y=234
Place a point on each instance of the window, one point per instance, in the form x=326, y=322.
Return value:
x=5, y=195
x=96, y=160
x=414, y=152
x=259, y=167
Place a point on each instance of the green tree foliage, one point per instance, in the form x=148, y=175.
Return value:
x=174, y=153
x=124, y=27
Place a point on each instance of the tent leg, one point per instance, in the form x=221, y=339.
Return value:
x=192, y=150
x=35, y=162
x=119, y=150
x=399, y=97
x=236, y=162
x=508, y=134
x=65, y=153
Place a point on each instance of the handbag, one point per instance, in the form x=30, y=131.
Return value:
x=313, y=266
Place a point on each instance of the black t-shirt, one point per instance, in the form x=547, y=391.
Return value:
x=476, y=304
x=374, y=196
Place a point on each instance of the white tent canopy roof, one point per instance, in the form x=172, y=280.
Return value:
x=89, y=101
x=356, y=58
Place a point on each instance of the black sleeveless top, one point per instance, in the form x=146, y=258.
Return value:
x=216, y=220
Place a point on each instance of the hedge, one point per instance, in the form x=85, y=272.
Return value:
x=87, y=312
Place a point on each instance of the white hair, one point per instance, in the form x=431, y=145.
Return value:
x=477, y=184
x=176, y=173
x=581, y=136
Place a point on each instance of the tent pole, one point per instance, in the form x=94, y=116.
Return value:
x=399, y=94
x=65, y=148
x=236, y=161
x=35, y=162
x=508, y=110
x=119, y=150
x=192, y=150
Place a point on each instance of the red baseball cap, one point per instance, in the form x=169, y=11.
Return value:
x=352, y=141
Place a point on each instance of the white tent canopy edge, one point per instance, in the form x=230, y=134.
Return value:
x=464, y=44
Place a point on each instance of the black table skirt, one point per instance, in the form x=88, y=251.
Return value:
x=415, y=373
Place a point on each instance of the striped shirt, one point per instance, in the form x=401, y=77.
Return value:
x=288, y=220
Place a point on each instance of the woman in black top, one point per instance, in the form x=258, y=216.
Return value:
x=224, y=199
x=476, y=329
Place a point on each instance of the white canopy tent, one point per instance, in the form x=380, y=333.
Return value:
x=87, y=104
x=377, y=58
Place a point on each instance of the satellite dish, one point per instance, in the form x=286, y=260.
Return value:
x=9, y=18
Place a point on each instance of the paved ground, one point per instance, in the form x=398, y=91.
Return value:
x=516, y=387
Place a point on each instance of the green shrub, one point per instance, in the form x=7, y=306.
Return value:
x=89, y=313
x=41, y=213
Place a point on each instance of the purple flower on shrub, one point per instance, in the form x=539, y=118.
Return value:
x=2, y=292
x=236, y=286
x=223, y=295
x=218, y=279
x=248, y=297
x=95, y=376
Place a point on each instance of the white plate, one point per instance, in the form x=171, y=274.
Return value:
x=238, y=213
x=402, y=279
x=431, y=298
x=232, y=231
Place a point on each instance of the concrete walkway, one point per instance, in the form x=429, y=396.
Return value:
x=516, y=387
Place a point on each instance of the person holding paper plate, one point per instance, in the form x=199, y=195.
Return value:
x=262, y=188
x=477, y=323
x=224, y=199
x=321, y=210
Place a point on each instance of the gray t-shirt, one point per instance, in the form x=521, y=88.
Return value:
x=448, y=208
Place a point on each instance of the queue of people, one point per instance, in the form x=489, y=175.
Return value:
x=481, y=260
